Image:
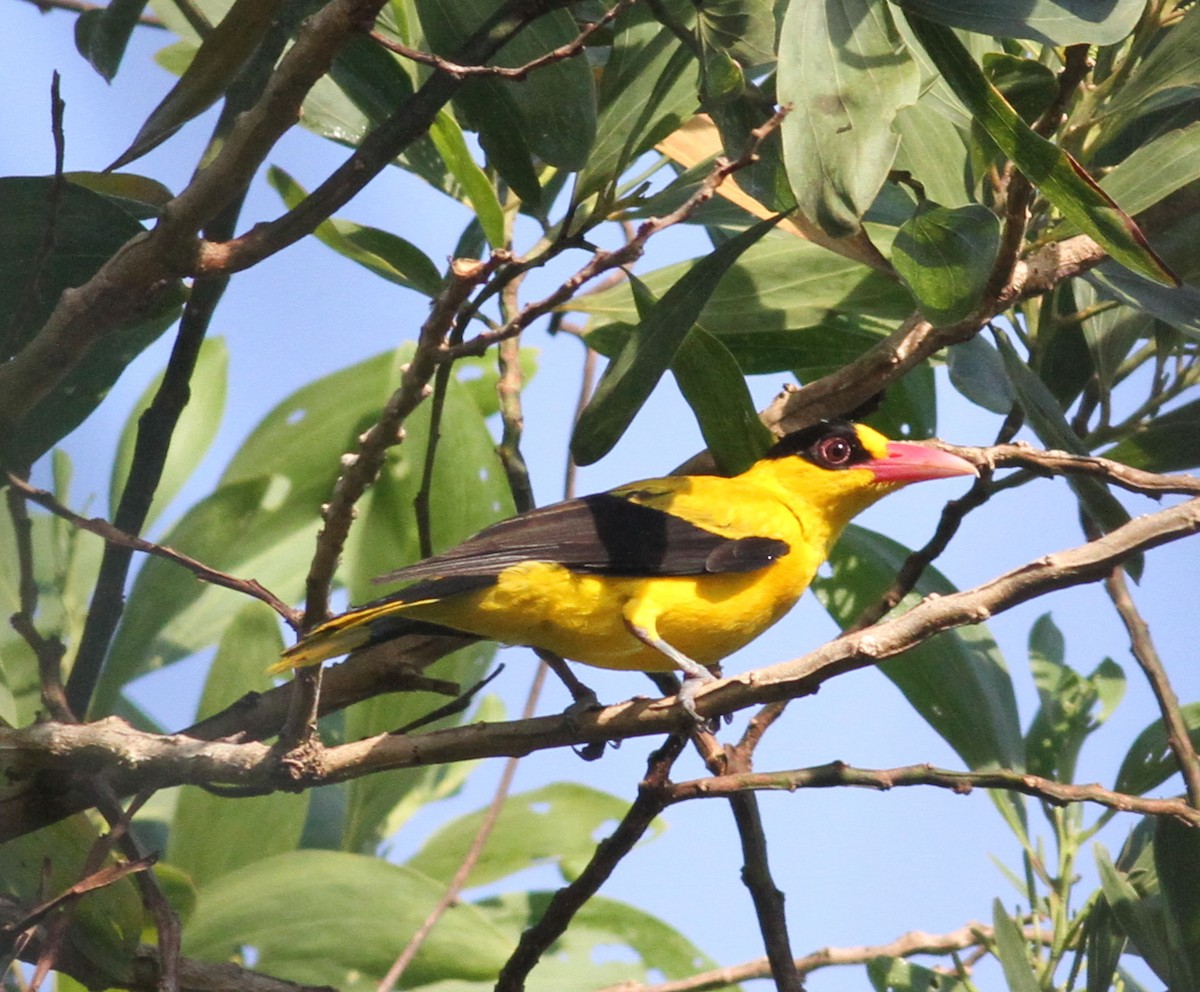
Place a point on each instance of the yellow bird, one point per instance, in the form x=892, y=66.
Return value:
x=663, y=574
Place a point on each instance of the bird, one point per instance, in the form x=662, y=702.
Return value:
x=658, y=575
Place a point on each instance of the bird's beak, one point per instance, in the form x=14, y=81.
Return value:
x=916, y=463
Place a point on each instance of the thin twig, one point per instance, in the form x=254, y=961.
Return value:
x=567, y=901
x=1141, y=645
x=457, y=71
x=103, y=529
x=838, y=774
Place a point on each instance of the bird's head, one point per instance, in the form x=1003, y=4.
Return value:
x=839, y=468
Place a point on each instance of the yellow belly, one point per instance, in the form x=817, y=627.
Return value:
x=586, y=618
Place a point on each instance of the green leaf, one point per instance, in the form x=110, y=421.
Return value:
x=1055, y=22
x=1059, y=177
x=633, y=374
x=648, y=89
x=1013, y=952
x=1104, y=943
x=1046, y=418
x=102, y=35
x=957, y=680
x=945, y=256
x=1178, y=306
x=934, y=151
x=262, y=518
x=381, y=252
x=1026, y=84
x=326, y=917
x=88, y=230
x=745, y=29
x=553, y=109
x=1110, y=332
x=1138, y=914
x=210, y=835
x=1156, y=170
x=846, y=72
x=899, y=975
x=1172, y=64
x=783, y=283
x=480, y=195
x=712, y=384
x=1150, y=761
x=212, y=70
x=194, y=432
x=977, y=371
x=1168, y=443
x=139, y=196
x=608, y=943
x=1177, y=859
x=556, y=824
x=103, y=929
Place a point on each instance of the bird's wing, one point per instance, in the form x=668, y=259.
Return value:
x=606, y=534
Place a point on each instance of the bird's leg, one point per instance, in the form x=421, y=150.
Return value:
x=695, y=674
x=584, y=699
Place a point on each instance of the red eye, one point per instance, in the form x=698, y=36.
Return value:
x=835, y=451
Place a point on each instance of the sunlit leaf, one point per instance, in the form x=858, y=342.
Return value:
x=946, y=256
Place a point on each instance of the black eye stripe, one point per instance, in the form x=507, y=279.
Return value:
x=830, y=444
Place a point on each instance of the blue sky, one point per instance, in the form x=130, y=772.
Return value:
x=857, y=867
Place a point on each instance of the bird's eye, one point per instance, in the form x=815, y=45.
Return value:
x=835, y=451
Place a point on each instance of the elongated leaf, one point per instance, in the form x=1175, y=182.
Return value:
x=945, y=256
x=1012, y=952
x=1055, y=22
x=554, y=108
x=900, y=975
x=1138, y=914
x=1177, y=858
x=648, y=89
x=382, y=252
x=211, y=835
x=139, y=196
x=1169, y=443
x=1060, y=178
x=1150, y=761
x=102, y=35
x=213, y=68
x=1173, y=64
x=194, y=432
x=1156, y=170
x=324, y=917
x=712, y=383
x=780, y=284
x=957, y=680
x=556, y=824
x=448, y=138
x=88, y=230
x=1177, y=306
x=633, y=374
x=846, y=72
x=1046, y=418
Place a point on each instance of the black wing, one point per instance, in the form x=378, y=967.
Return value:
x=605, y=534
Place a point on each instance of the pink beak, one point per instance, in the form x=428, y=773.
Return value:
x=916, y=463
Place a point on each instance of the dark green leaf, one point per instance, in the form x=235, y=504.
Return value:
x=139, y=196
x=88, y=230
x=324, y=917
x=743, y=28
x=1150, y=761
x=1104, y=943
x=1172, y=65
x=211, y=835
x=1178, y=306
x=1028, y=85
x=1045, y=416
x=957, y=680
x=382, y=252
x=194, y=432
x=1138, y=914
x=711, y=381
x=846, y=72
x=647, y=90
x=1059, y=177
x=1013, y=952
x=977, y=371
x=633, y=374
x=946, y=256
x=1177, y=858
x=102, y=35
x=1168, y=443
x=1111, y=331
x=1055, y=22
x=553, y=109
